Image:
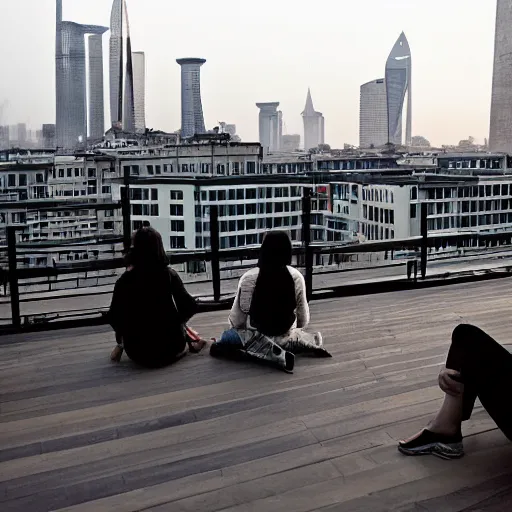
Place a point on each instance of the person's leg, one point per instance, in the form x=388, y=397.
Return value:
x=485, y=369
x=298, y=341
x=194, y=341
x=117, y=353
x=230, y=344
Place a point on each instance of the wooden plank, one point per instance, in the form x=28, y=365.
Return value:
x=79, y=433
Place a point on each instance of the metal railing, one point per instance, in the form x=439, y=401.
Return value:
x=305, y=255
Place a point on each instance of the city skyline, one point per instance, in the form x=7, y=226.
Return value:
x=336, y=90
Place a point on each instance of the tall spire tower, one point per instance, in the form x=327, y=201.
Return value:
x=398, y=88
x=122, y=102
x=314, y=125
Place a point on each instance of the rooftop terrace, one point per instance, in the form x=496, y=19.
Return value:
x=78, y=433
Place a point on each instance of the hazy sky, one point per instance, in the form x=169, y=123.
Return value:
x=272, y=50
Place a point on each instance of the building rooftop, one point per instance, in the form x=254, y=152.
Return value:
x=204, y=435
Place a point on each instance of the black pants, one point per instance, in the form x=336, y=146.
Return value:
x=486, y=370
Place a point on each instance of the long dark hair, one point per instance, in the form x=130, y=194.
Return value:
x=147, y=253
x=274, y=296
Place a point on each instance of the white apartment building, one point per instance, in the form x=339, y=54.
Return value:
x=465, y=193
x=174, y=192
x=61, y=201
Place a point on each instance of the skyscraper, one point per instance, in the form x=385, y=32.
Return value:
x=48, y=136
x=373, y=114
x=22, y=134
x=313, y=125
x=192, y=120
x=96, y=98
x=139, y=90
x=122, y=108
x=398, y=87
x=270, y=126
x=4, y=137
x=501, y=106
x=71, y=89
x=290, y=143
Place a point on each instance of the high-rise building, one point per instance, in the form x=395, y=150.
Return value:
x=313, y=125
x=290, y=143
x=4, y=137
x=48, y=136
x=192, y=119
x=501, y=107
x=22, y=134
x=398, y=89
x=96, y=98
x=139, y=90
x=279, y=130
x=373, y=114
x=71, y=88
x=270, y=126
x=122, y=102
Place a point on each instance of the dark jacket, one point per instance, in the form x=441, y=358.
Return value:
x=149, y=310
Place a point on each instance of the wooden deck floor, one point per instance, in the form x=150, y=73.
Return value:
x=78, y=433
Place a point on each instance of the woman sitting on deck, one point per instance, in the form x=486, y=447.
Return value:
x=150, y=307
x=270, y=311
x=477, y=366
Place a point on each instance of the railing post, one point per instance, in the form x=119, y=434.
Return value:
x=214, y=245
x=125, y=208
x=13, y=276
x=424, y=240
x=306, y=237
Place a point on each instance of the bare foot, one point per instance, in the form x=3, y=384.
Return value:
x=116, y=354
x=196, y=346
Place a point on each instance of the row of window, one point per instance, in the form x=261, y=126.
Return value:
x=241, y=194
x=148, y=210
x=251, y=224
x=487, y=163
x=378, y=195
x=373, y=232
x=144, y=194
x=469, y=221
x=476, y=191
x=151, y=194
x=76, y=172
x=240, y=210
x=295, y=168
x=22, y=179
x=336, y=224
x=454, y=207
x=382, y=215
x=232, y=168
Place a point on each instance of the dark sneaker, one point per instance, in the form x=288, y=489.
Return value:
x=430, y=443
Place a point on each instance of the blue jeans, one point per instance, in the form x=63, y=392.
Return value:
x=231, y=338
